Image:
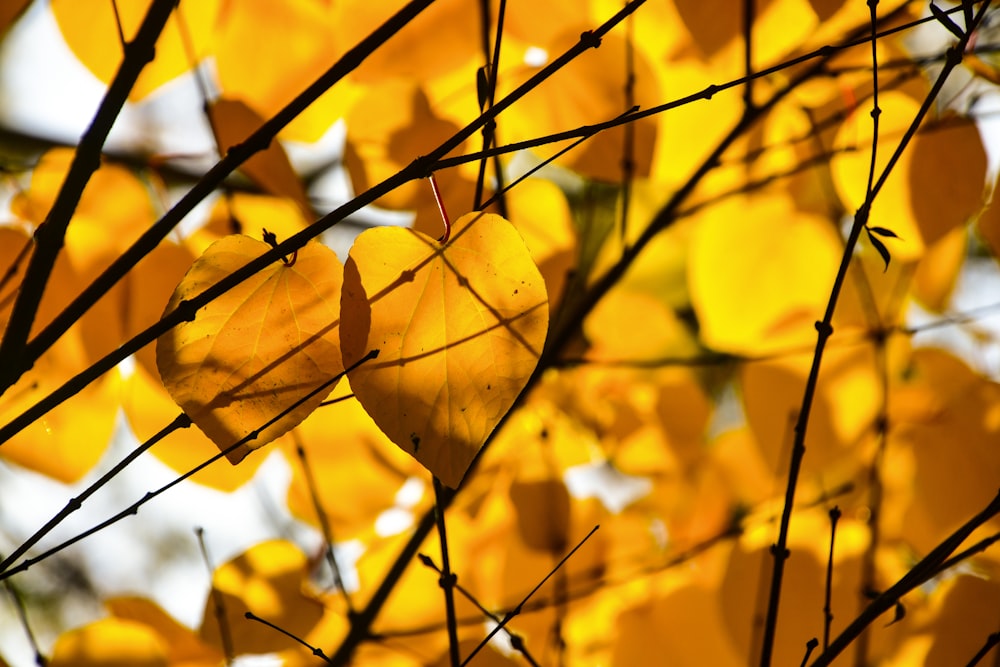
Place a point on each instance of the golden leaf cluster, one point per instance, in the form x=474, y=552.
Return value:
x=629, y=329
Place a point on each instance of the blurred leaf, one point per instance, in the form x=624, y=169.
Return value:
x=349, y=457
x=392, y=124
x=232, y=122
x=267, y=580
x=110, y=642
x=542, y=514
x=459, y=329
x=949, y=422
x=266, y=73
x=760, y=274
x=91, y=31
x=251, y=354
x=184, y=647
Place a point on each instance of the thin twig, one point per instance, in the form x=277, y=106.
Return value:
x=179, y=422
x=22, y=615
x=324, y=522
x=824, y=330
x=50, y=235
x=516, y=642
x=520, y=606
x=6, y=573
x=828, y=596
x=917, y=575
x=447, y=579
x=218, y=602
x=992, y=640
x=318, y=652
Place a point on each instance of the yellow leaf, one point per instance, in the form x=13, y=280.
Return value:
x=148, y=408
x=267, y=580
x=964, y=621
x=232, y=122
x=267, y=73
x=183, y=645
x=760, y=274
x=950, y=424
x=937, y=272
x=391, y=125
x=444, y=36
x=252, y=356
x=91, y=32
x=357, y=461
x=110, y=642
x=67, y=442
x=543, y=531
x=936, y=186
x=588, y=90
x=459, y=328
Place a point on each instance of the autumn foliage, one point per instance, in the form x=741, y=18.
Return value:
x=586, y=333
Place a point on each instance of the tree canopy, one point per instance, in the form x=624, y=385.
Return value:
x=585, y=332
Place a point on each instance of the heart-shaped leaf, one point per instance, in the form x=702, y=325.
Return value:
x=252, y=355
x=459, y=328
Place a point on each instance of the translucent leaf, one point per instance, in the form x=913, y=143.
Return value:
x=148, y=408
x=545, y=531
x=90, y=30
x=392, y=124
x=257, y=350
x=110, y=642
x=183, y=646
x=114, y=209
x=459, y=329
x=964, y=622
x=232, y=122
x=350, y=458
x=949, y=418
x=588, y=90
x=444, y=36
x=266, y=580
x=938, y=270
x=935, y=187
x=760, y=274
x=267, y=73
x=697, y=634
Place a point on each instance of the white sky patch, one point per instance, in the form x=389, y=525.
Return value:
x=400, y=517
x=501, y=640
x=601, y=480
x=536, y=56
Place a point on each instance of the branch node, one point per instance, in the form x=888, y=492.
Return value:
x=589, y=40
